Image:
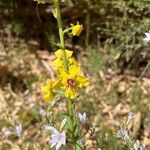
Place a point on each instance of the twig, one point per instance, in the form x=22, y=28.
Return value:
x=147, y=66
x=38, y=15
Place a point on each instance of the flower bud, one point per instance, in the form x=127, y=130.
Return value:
x=77, y=29
x=63, y=124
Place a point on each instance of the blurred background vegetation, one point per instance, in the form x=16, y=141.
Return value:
x=110, y=49
x=116, y=26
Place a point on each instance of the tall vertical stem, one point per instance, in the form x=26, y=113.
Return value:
x=58, y=17
x=61, y=33
x=61, y=36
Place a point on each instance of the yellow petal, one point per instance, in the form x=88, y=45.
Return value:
x=72, y=61
x=63, y=76
x=71, y=93
x=56, y=85
x=49, y=82
x=82, y=81
x=48, y=96
x=49, y=89
x=60, y=53
x=74, y=70
x=45, y=89
x=57, y=63
x=77, y=29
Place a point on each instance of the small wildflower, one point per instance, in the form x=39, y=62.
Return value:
x=49, y=89
x=138, y=146
x=42, y=112
x=59, y=61
x=60, y=54
x=18, y=130
x=142, y=147
x=123, y=134
x=6, y=132
x=147, y=38
x=72, y=80
x=130, y=117
x=57, y=139
x=82, y=117
x=77, y=29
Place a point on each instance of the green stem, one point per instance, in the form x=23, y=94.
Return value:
x=61, y=36
x=61, y=33
x=58, y=16
x=71, y=113
x=70, y=108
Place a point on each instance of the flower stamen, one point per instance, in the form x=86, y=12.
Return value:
x=71, y=82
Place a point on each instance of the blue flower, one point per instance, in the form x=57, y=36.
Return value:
x=6, y=132
x=123, y=134
x=130, y=117
x=18, y=130
x=57, y=139
x=138, y=146
x=82, y=117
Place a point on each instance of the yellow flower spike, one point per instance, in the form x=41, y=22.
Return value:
x=60, y=54
x=49, y=89
x=77, y=29
x=72, y=80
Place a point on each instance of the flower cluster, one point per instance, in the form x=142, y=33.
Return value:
x=69, y=78
x=14, y=131
x=138, y=146
x=124, y=134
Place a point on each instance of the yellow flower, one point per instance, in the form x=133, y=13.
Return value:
x=72, y=80
x=60, y=54
x=49, y=89
x=40, y=1
x=71, y=93
x=77, y=29
x=59, y=61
